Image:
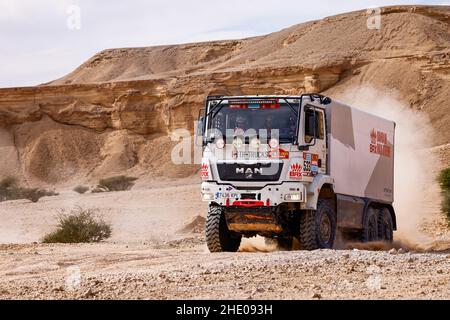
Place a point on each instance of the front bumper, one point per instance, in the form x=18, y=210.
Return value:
x=270, y=195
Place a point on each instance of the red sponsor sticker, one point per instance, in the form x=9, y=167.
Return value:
x=295, y=171
x=379, y=143
x=204, y=172
x=279, y=154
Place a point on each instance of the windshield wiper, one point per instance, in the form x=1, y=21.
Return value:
x=218, y=106
x=292, y=108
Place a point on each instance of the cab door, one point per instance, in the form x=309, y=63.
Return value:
x=315, y=155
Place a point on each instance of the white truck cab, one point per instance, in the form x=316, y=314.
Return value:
x=295, y=166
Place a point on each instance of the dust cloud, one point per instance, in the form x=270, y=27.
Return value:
x=415, y=188
x=257, y=244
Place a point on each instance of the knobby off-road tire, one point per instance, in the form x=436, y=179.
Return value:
x=385, y=225
x=218, y=237
x=370, y=228
x=318, y=228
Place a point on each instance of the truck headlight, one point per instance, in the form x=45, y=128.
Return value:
x=207, y=196
x=293, y=197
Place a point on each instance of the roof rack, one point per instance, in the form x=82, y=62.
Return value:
x=312, y=96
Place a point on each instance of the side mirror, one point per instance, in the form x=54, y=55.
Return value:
x=200, y=124
x=199, y=131
x=309, y=128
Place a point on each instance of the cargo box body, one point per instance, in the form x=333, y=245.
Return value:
x=360, y=153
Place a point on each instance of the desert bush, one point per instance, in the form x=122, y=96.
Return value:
x=444, y=182
x=8, y=182
x=11, y=190
x=444, y=179
x=81, y=189
x=117, y=183
x=445, y=205
x=79, y=226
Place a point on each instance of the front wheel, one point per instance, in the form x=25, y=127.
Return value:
x=318, y=228
x=218, y=237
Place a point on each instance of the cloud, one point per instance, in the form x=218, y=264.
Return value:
x=40, y=47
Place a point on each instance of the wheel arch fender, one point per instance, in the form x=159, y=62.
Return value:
x=313, y=190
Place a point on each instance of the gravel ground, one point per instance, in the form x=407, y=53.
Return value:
x=185, y=270
x=157, y=251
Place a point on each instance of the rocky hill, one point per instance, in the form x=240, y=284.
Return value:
x=113, y=113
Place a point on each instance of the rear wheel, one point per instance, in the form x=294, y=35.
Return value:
x=318, y=228
x=370, y=227
x=218, y=237
x=385, y=225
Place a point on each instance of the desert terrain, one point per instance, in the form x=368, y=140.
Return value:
x=157, y=251
x=115, y=114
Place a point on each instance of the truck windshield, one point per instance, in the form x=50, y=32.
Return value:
x=263, y=119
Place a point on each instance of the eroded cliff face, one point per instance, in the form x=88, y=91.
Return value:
x=114, y=112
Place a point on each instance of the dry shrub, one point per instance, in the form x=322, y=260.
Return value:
x=11, y=190
x=444, y=182
x=79, y=226
x=81, y=189
x=117, y=183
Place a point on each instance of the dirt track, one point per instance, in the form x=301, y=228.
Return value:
x=187, y=271
x=152, y=255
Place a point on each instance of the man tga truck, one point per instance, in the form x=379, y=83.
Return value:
x=295, y=166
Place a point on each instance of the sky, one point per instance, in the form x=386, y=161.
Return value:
x=42, y=40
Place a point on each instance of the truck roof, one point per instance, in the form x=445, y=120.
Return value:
x=311, y=96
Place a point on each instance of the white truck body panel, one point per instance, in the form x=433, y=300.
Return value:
x=360, y=153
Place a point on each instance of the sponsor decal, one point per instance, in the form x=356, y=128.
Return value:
x=379, y=143
x=310, y=164
x=272, y=154
x=295, y=171
x=204, y=171
x=279, y=154
x=252, y=154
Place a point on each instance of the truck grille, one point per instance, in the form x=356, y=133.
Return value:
x=250, y=172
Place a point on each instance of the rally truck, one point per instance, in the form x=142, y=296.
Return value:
x=304, y=167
